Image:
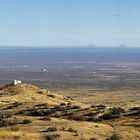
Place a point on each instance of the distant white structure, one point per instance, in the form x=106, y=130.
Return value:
x=16, y=82
x=44, y=70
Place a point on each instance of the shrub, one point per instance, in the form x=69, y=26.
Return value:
x=135, y=108
x=90, y=114
x=93, y=138
x=40, y=112
x=117, y=110
x=101, y=106
x=62, y=104
x=72, y=130
x=40, y=105
x=75, y=107
x=39, y=92
x=92, y=106
x=26, y=121
x=14, y=128
x=4, y=123
x=59, y=108
x=114, y=113
x=51, y=95
x=76, y=118
x=51, y=129
x=51, y=137
x=108, y=116
x=16, y=104
x=5, y=115
x=114, y=137
x=45, y=118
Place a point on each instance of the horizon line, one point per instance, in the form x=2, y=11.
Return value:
x=68, y=46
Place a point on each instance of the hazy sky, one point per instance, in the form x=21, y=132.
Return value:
x=69, y=22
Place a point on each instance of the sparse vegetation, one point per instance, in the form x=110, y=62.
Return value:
x=75, y=107
x=63, y=104
x=114, y=113
x=72, y=130
x=26, y=121
x=93, y=138
x=51, y=95
x=52, y=129
x=117, y=110
x=76, y=117
x=51, y=137
x=13, y=105
x=45, y=118
x=135, y=109
x=114, y=137
x=108, y=116
x=5, y=115
x=63, y=117
x=101, y=106
x=90, y=114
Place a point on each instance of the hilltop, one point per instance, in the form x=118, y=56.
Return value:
x=33, y=113
x=27, y=93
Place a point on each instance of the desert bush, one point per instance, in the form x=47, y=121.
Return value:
x=92, y=106
x=45, y=118
x=7, y=122
x=15, y=128
x=26, y=121
x=108, y=116
x=114, y=113
x=114, y=137
x=52, y=129
x=43, y=104
x=4, y=123
x=4, y=119
x=72, y=130
x=51, y=95
x=75, y=134
x=20, y=112
x=16, y=137
x=90, y=114
x=133, y=113
x=16, y=104
x=117, y=110
x=39, y=92
x=93, y=119
x=63, y=104
x=69, y=104
x=101, y=106
x=5, y=115
x=88, y=108
x=75, y=107
x=59, y=108
x=40, y=112
x=51, y=137
x=93, y=138
x=135, y=109
x=76, y=118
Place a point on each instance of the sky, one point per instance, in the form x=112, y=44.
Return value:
x=69, y=22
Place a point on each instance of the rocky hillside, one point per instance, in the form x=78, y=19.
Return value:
x=26, y=93
x=29, y=112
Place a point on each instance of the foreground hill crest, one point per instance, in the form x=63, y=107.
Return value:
x=30, y=93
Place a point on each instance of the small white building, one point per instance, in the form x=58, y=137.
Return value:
x=44, y=70
x=16, y=82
